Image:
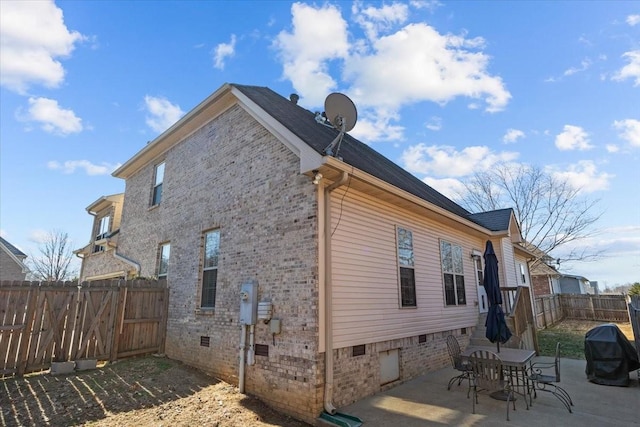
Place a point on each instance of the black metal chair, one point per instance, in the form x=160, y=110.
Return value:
x=546, y=376
x=458, y=363
x=488, y=375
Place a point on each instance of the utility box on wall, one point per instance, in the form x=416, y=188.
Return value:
x=249, y=303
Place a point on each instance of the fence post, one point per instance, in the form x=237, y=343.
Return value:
x=593, y=311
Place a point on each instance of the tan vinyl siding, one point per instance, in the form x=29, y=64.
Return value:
x=366, y=307
x=509, y=263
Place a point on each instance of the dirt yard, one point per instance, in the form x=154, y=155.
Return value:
x=149, y=391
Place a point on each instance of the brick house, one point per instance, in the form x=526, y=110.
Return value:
x=12, y=262
x=350, y=253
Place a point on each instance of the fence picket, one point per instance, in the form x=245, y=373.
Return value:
x=46, y=322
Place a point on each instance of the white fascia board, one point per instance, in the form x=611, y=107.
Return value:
x=203, y=113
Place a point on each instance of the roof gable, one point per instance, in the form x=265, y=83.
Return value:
x=302, y=123
x=12, y=249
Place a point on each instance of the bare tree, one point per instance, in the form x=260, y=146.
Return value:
x=53, y=263
x=551, y=212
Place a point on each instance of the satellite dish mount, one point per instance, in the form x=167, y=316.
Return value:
x=342, y=114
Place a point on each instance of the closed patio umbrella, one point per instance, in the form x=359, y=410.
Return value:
x=497, y=330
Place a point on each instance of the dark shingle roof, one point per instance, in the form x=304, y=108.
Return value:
x=17, y=252
x=302, y=123
x=497, y=220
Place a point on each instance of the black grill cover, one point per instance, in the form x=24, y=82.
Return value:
x=610, y=356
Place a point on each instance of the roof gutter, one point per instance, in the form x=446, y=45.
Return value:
x=328, y=296
x=390, y=188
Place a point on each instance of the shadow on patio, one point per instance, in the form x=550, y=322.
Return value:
x=425, y=401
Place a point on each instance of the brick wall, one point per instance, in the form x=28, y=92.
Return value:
x=232, y=174
x=99, y=263
x=356, y=377
x=9, y=269
x=540, y=286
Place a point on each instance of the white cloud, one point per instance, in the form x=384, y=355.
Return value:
x=430, y=5
x=445, y=161
x=512, y=135
x=373, y=20
x=371, y=128
x=434, y=123
x=419, y=64
x=450, y=187
x=319, y=35
x=573, y=138
x=33, y=37
x=632, y=69
x=629, y=131
x=162, y=114
x=70, y=167
x=394, y=65
x=583, y=176
x=38, y=236
x=612, y=148
x=52, y=117
x=584, y=65
x=223, y=51
x=633, y=20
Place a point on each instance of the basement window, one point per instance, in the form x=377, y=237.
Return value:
x=358, y=350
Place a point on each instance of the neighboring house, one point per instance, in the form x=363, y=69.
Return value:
x=546, y=279
x=570, y=284
x=365, y=268
x=100, y=258
x=12, y=265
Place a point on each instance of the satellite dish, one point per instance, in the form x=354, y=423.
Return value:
x=340, y=111
x=342, y=114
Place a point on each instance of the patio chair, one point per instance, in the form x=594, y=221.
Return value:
x=458, y=363
x=545, y=376
x=488, y=376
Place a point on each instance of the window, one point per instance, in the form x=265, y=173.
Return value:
x=163, y=260
x=157, y=184
x=453, y=274
x=523, y=273
x=103, y=228
x=210, y=268
x=405, y=265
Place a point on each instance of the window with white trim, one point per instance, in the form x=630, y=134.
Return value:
x=157, y=184
x=103, y=228
x=164, y=251
x=523, y=273
x=453, y=273
x=210, y=268
x=406, y=268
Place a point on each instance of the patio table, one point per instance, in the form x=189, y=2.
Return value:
x=514, y=361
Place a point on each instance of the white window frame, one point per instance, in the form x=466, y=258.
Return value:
x=163, y=259
x=158, y=181
x=209, y=266
x=456, y=273
x=406, y=265
x=103, y=227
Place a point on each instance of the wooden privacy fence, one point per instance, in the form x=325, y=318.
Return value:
x=551, y=309
x=45, y=322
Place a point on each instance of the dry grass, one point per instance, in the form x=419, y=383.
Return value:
x=571, y=333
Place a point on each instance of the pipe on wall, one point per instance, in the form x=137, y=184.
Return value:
x=328, y=295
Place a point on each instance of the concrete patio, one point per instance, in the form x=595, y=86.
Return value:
x=425, y=401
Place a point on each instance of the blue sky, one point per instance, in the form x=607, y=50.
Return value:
x=444, y=89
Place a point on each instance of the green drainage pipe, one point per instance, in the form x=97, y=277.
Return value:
x=341, y=420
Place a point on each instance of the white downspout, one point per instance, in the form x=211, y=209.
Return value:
x=243, y=343
x=328, y=295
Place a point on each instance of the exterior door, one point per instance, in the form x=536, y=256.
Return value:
x=483, y=304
